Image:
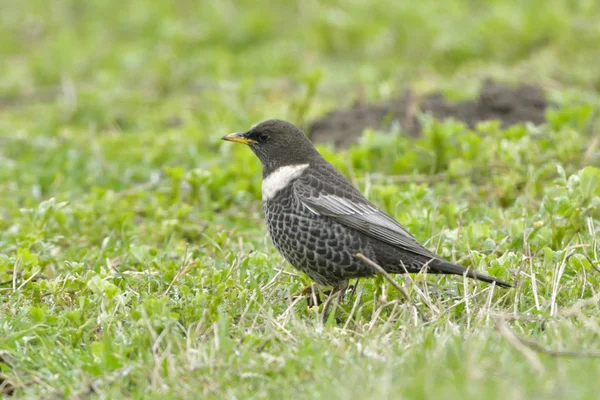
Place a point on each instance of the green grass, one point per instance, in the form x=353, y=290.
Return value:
x=133, y=255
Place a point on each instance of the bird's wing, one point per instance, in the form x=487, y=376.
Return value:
x=331, y=195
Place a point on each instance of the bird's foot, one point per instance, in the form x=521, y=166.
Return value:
x=312, y=293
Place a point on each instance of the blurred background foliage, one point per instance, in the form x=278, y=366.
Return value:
x=133, y=258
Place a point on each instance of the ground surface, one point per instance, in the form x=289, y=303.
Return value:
x=496, y=102
x=133, y=257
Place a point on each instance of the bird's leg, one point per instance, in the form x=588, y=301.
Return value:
x=353, y=288
x=313, y=295
x=326, y=308
x=342, y=293
x=340, y=290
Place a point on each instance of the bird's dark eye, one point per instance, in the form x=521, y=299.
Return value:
x=263, y=137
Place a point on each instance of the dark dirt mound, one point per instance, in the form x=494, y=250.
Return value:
x=496, y=101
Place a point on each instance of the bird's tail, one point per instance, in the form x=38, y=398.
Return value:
x=445, y=267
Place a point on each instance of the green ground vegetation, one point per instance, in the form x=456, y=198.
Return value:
x=133, y=257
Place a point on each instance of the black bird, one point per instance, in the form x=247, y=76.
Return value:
x=319, y=221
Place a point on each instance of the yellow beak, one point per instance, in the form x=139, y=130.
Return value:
x=238, y=138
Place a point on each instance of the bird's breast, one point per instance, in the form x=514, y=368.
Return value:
x=280, y=179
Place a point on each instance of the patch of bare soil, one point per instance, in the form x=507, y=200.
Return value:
x=510, y=105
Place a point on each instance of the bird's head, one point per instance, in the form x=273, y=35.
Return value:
x=277, y=144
